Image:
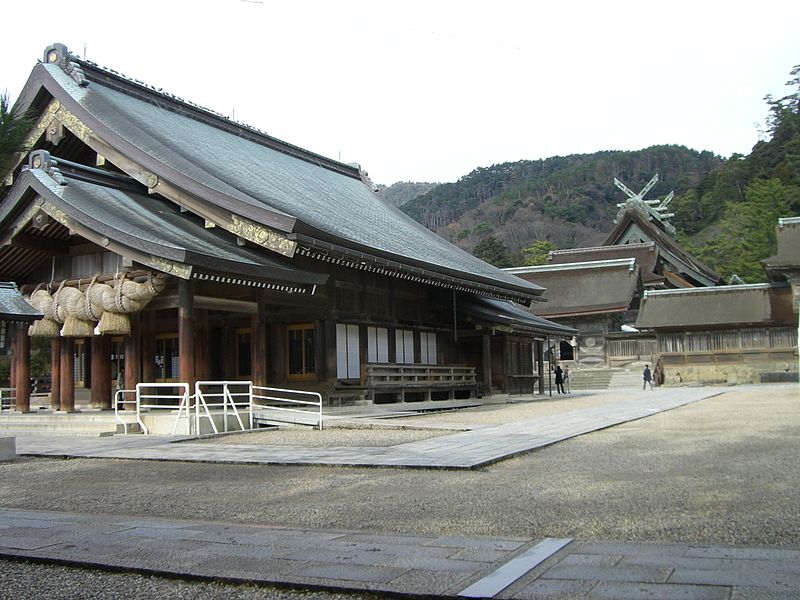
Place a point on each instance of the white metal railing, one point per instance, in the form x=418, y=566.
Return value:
x=278, y=399
x=162, y=396
x=120, y=406
x=8, y=398
x=225, y=395
x=231, y=397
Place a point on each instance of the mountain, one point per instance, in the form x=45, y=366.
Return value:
x=726, y=210
x=402, y=192
x=567, y=200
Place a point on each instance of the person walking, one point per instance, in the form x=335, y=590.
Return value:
x=648, y=377
x=566, y=379
x=560, y=379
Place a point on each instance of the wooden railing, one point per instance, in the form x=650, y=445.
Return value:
x=382, y=378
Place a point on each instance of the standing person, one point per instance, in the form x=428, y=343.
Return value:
x=560, y=379
x=648, y=377
x=566, y=379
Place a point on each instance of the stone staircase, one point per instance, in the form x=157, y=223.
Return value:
x=83, y=423
x=628, y=377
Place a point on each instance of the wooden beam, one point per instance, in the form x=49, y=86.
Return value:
x=207, y=303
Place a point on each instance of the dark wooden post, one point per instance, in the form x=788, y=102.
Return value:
x=148, y=347
x=67, y=375
x=202, y=364
x=101, y=372
x=55, y=373
x=133, y=351
x=487, y=363
x=22, y=360
x=186, y=342
x=259, y=348
x=12, y=375
x=540, y=364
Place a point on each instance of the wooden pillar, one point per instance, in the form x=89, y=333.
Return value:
x=22, y=368
x=148, y=346
x=259, y=348
x=540, y=364
x=67, y=360
x=186, y=341
x=12, y=375
x=133, y=352
x=55, y=373
x=101, y=372
x=276, y=344
x=202, y=356
x=487, y=363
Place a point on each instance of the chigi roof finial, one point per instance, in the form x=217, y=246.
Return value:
x=58, y=54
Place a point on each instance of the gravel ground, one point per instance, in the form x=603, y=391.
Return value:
x=719, y=471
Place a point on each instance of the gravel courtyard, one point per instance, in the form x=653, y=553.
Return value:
x=719, y=471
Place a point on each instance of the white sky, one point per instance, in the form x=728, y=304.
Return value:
x=429, y=90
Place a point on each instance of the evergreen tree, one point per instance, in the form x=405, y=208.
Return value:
x=13, y=132
x=537, y=253
x=493, y=251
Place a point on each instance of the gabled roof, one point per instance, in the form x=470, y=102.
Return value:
x=727, y=305
x=575, y=289
x=646, y=255
x=13, y=307
x=150, y=230
x=687, y=265
x=249, y=183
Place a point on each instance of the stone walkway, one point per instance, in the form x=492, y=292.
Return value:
x=401, y=564
x=464, y=450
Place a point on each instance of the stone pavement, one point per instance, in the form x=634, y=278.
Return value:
x=447, y=566
x=464, y=450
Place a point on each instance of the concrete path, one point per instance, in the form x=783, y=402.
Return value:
x=401, y=564
x=464, y=450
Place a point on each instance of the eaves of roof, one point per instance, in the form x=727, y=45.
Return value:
x=13, y=307
x=148, y=229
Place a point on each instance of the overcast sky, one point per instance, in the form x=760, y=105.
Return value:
x=430, y=90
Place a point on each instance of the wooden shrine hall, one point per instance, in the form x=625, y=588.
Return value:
x=163, y=242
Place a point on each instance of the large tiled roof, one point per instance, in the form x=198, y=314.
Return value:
x=256, y=176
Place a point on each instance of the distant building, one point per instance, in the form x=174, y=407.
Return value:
x=598, y=290
x=735, y=333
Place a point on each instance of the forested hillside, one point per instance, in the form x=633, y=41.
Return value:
x=402, y=192
x=729, y=219
x=567, y=200
x=726, y=210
